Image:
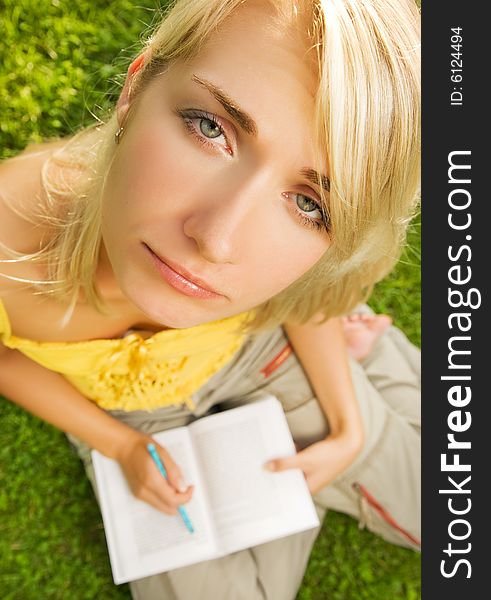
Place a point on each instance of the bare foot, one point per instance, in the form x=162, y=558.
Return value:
x=362, y=331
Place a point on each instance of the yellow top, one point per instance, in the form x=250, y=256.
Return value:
x=133, y=373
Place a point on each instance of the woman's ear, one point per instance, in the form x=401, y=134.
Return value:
x=125, y=96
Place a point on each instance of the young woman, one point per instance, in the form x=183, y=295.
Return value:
x=202, y=247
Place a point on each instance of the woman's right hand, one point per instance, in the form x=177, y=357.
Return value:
x=146, y=481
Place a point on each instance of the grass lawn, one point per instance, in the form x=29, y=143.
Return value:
x=54, y=54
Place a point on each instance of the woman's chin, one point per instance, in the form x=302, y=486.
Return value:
x=171, y=313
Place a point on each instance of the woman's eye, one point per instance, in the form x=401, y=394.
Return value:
x=309, y=206
x=308, y=211
x=209, y=128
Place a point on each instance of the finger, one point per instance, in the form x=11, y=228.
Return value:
x=155, y=500
x=156, y=489
x=281, y=464
x=162, y=488
x=174, y=475
x=184, y=497
x=164, y=497
x=175, y=499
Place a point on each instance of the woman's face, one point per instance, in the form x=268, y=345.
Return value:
x=210, y=182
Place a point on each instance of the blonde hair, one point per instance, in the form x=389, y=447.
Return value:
x=367, y=120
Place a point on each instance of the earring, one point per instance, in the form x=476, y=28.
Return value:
x=118, y=134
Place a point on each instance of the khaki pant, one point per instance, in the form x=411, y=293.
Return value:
x=381, y=488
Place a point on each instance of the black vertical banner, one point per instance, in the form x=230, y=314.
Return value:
x=456, y=226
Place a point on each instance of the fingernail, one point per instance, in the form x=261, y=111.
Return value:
x=269, y=466
x=181, y=486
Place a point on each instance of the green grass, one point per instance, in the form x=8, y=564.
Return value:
x=60, y=64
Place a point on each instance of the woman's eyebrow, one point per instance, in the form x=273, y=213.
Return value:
x=249, y=125
x=314, y=178
x=243, y=119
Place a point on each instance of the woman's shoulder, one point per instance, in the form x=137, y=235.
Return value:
x=20, y=230
x=20, y=193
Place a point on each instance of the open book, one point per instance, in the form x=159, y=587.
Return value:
x=236, y=503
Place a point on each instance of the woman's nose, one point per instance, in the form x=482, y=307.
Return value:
x=221, y=223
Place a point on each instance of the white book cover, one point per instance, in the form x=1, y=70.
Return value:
x=236, y=503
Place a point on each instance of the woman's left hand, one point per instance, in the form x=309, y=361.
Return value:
x=323, y=461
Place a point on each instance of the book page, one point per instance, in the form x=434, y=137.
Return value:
x=142, y=540
x=248, y=504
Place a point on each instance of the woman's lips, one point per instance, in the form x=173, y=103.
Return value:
x=182, y=280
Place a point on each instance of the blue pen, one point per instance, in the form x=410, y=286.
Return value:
x=156, y=459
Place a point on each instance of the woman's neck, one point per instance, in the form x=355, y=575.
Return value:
x=114, y=297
